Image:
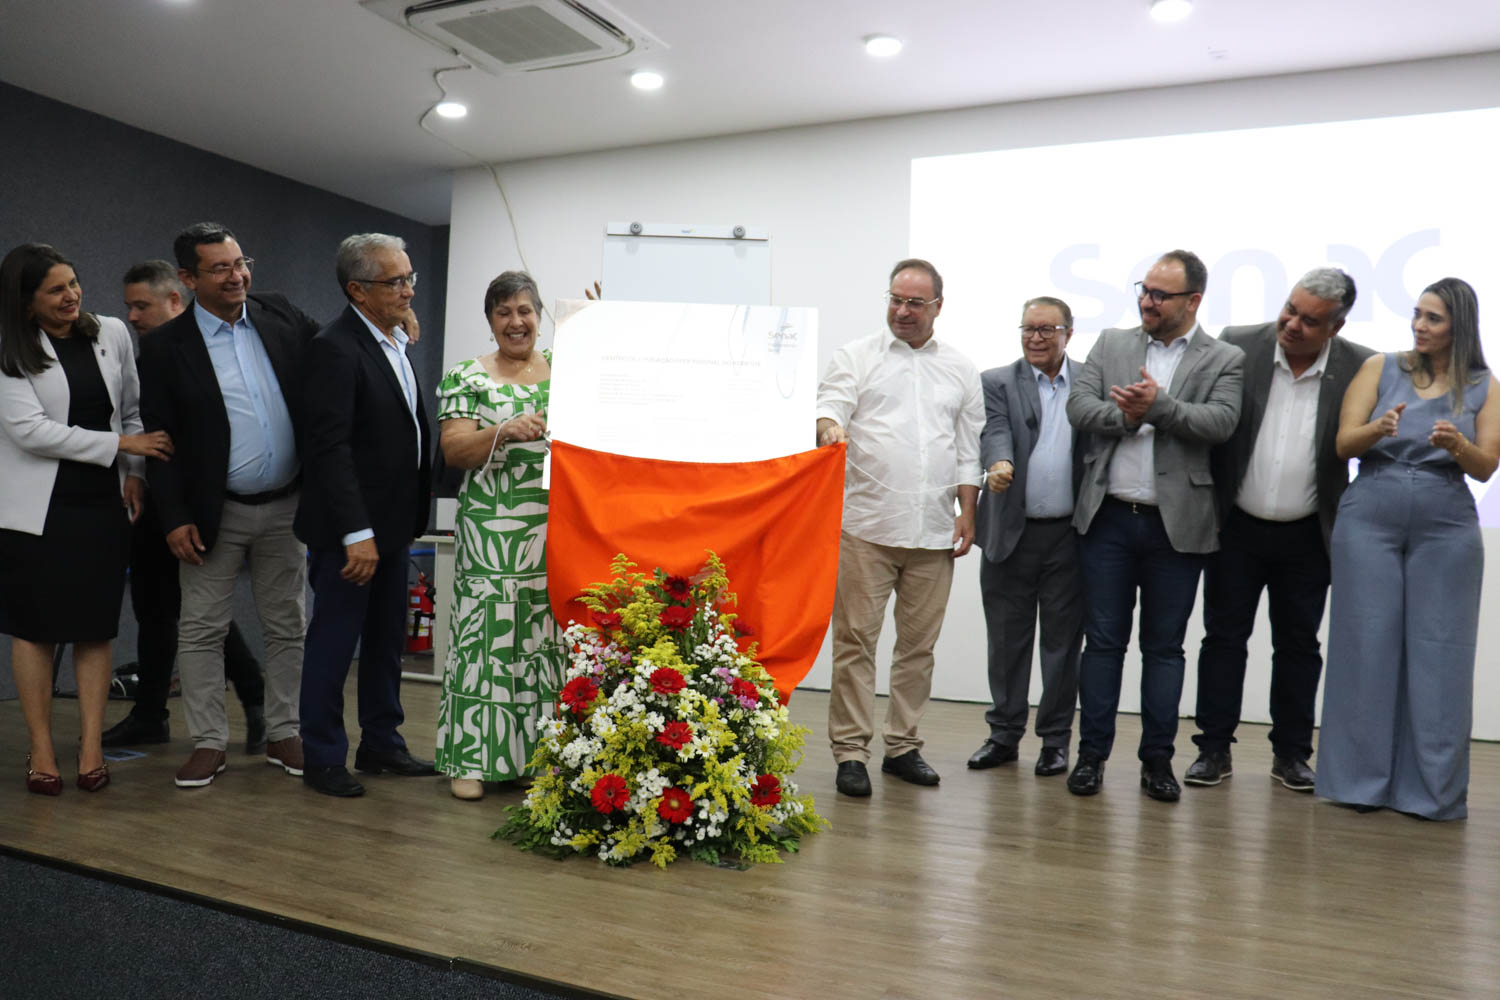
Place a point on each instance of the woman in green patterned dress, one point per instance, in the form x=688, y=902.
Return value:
x=505, y=656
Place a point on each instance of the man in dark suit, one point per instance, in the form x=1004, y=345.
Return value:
x=223, y=379
x=153, y=295
x=1278, y=481
x=1154, y=399
x=366, y=497
x=1030, y=549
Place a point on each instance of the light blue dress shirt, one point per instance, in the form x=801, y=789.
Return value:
x=1049, y=470
x=395, y=356
x=262, y=443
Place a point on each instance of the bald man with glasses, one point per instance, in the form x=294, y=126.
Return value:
x=1154, y=399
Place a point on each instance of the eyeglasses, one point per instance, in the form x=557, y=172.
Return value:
x=1156, y=295
x=394, y=284
x=246, y=264
x=897, y=302
x=1045, y=332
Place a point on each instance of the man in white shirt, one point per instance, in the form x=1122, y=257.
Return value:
x=1154, y=400
x=1278, y=481
x=910, y=410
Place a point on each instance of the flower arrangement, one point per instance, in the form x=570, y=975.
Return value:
x=668, y=740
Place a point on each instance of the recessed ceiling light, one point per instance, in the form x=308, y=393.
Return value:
x=882, y=46
x=646, y=80
x=1167, y=11
x=451, y=109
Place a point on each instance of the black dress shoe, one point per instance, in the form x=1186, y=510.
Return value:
x=335, y=781
x=1211, y=767
x=910, y=767
x=1158, y=781
x=853, y=779
x=1088, y=774
x=992, y=754
x=255, y=730
x=1293, y=773
x=397, y=762
x=1052, y=760
x=130, y=731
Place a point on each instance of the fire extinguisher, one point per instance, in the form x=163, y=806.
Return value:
x=419, y=615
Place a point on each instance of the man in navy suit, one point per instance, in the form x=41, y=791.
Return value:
x=366, y=497
x=224, y=379
x=1025, y=532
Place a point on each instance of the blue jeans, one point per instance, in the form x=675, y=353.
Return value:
x=1126, y=549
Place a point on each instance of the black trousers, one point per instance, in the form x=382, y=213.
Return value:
x=1288, y=561
x=156, y=598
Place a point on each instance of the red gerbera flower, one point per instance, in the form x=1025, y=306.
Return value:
x=610, y=793
x=676, y=805
x=675, y=735
x=766, y=791
x=607, y=619
x=677, y=588
x=742, y=688
x=665, y=680
x=578, y=694
x=677, y=617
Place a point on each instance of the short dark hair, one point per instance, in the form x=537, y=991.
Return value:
x=185, y=246
x=918, y=264
x=1056, y=303
x=160, y=275
x=507, y=285
x=1193, y=268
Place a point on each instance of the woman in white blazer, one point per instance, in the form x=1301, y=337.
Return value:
x=73, y=455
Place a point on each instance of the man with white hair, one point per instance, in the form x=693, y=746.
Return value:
x=366, y=496
x=1277, y=482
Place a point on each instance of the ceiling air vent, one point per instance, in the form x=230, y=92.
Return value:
x=516, y=36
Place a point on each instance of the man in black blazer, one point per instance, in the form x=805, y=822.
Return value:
x=366, y=496
x=1024, y=529
x=224, y=379
x=1277, y=481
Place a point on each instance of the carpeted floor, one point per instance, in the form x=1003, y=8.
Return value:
x=67, y=936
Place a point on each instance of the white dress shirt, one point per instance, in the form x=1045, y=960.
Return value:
x=913, y=418
x=1281, y=481
x=395, y=356
x=1132, y=470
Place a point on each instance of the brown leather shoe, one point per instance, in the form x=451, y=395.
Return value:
x=287, y=754
x=201, y=768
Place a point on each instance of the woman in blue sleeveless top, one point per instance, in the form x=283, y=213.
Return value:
x=1407, y=562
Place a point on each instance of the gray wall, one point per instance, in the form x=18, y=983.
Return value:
x=108, y=195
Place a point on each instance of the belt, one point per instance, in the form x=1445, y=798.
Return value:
x=1135, y=506
x=1049, y=520
x=257, y=499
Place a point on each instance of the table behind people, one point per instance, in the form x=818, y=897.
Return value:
x=71, y=450
x=225, y=377
x=367, y=495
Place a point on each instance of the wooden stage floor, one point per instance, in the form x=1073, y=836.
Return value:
x=995, y=884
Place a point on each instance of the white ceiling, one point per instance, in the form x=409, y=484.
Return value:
x=328, y=93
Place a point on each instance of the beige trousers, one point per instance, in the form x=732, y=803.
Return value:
x=868, y=573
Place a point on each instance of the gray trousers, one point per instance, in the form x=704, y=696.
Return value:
x=1040, y=576
x=278, y=578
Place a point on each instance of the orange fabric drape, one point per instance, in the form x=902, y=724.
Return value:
x=775, y=524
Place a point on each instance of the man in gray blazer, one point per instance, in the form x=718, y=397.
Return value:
x=1154, y=399
x=1278, y=481
x=1034, y=460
